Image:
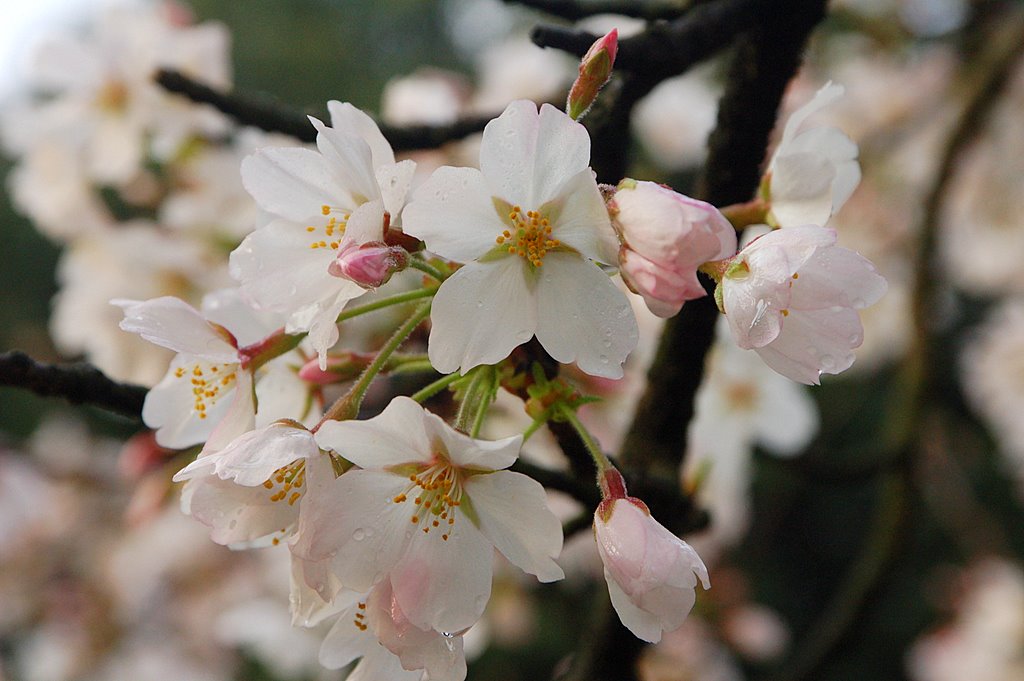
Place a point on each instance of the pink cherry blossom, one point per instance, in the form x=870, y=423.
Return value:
x=665, y=237
x=651, y=573
x=792, y=296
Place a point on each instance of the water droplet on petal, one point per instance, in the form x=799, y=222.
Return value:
x=359, y=534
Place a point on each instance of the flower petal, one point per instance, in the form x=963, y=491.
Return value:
x=395, y=180
x=348, y=118
x=467, y=452
x=174, y=324
x=813, y=342
x=293, y=183
x=357, y=523
x=481, y=313
x=237, y=514
x=512, y=512
x=583, y=222
x=445, y=585
x=349, y=161
x=452, y=212
x=394, y=437
x=583, y=317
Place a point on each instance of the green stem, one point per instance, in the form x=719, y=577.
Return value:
x=426, y=392
x=410, y=365
x=388, y=301
x=484, y=401
x=593, y=448
x=536, y=425
x=427, y=268
x=347, y=407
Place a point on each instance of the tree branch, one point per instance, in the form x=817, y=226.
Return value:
x=670, y=48
x=574, y=10
x=269, y=116
x=762, y=66
x=78, y=383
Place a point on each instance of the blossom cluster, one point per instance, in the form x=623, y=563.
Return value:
x=391, y=522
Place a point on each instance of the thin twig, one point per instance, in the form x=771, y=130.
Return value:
x=78, y=383
x=272, y=117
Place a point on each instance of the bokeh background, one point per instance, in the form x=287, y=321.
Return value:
x=858, y=538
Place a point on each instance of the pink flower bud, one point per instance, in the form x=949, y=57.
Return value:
x=370, y=265
x=665, y=237
x=651, y=573
x=595, y=70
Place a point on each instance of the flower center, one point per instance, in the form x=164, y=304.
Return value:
x=438, y=497
x=529, y=235
x=287, y=482
x=332, y=231
x=209, y=383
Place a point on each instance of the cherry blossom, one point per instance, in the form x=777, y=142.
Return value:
x=426, y=508
x=814, y=170
x=346, y=193
x=651, y=573
x=532, y=227
x=665, y=237
x=792, y=295
x=250, y=490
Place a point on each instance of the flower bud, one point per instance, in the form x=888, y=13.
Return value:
x=651, y=573
x=595, y=70
x=340, y=367
x=370, y=265
x=665, y=237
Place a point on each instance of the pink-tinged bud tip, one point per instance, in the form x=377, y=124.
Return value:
x=370, y=265
x=344, y=367
x=595, y=70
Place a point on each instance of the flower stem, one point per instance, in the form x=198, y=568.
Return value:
x=427, y=268
x=485, y=399
x=544, y=417
x=347, y=407
x=388, y=301
x=426, y=392
x=470, y=401
x=593, y=448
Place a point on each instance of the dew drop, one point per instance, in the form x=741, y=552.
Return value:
x=859, y=303
x=359, y=534
x=233, y=524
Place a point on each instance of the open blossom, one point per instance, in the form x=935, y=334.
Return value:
x=531, y=226
x=250, y=489
x=426, y=508
x=665, y=237
x=792, y=296
x=326, y=202
x=814, y=170
x=651, y=573
x=208, y=393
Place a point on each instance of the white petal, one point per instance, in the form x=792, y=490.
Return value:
x=583, y=317
x=174, y=324
x=349, y=162
x=379, y=664
x=395, y=436
x=345, y=641
x=253, y=457
x=480, y=314
x=583, y=221
x=786, y=418
x=513, y=514
x=814, y=341
x=466, y=452
x=527, y=158
x=240, y=416
x=169, y=406
x=801, y=189
x=828, y=94
x=280, y=393
x=348, y=118
x=394, y=181
x=237, y=514
x=366, y=223
x=293, y=183
x=837, y=276
x=357, y=523
x=643, y=624
x=452, y=212
x=445, y=585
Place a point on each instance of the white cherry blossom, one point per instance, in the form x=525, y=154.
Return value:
x=792, y=296
x=346, y=193
x=814, y=170
x=531, y=227
x=426, y=508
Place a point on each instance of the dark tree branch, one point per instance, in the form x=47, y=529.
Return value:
x=762, y=66
x=670, y=48
x=269, y=116
x=78, y=383
x=574, y=10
